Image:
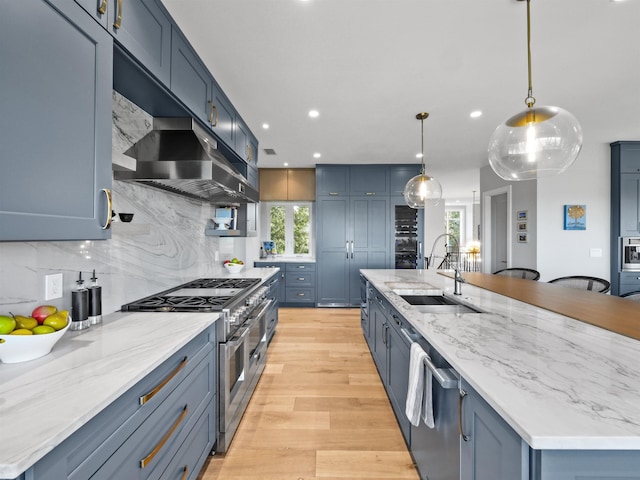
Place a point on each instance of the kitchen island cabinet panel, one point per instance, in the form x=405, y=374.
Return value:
x=144, y=30
x=57, y=68
x=492, y=449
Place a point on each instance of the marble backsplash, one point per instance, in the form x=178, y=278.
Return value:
x=162, y=247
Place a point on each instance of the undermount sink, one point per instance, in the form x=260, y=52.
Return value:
x=438, y=303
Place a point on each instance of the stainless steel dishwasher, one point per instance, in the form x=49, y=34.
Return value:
x=436, y=451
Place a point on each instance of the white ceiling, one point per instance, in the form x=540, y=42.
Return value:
x=368, y=66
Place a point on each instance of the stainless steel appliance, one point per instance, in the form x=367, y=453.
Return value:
x=245, y=306
x=631, y=254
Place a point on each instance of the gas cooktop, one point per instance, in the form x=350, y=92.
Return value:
x=202, y=295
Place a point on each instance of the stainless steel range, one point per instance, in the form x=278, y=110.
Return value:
x=245, y=306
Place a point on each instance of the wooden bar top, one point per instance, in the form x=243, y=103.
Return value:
x=612, y=313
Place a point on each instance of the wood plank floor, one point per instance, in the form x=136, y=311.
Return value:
x=319, y=410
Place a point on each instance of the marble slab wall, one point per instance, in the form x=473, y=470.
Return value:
x=162, y=247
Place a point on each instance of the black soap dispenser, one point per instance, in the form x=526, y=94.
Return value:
x=79, y=306
x=95, y=301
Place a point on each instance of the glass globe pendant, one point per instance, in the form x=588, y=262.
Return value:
x=538, y=142
x=422, y=190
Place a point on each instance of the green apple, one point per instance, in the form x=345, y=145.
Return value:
x=7, y=324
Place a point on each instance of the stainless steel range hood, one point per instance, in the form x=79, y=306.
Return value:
x=180, y=156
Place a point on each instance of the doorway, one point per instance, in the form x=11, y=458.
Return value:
x=496, y=225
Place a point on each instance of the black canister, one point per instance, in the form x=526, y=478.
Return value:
x=95, y=301
x=80, y=306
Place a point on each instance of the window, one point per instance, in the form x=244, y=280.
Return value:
x=454, y=223
x=288, y=225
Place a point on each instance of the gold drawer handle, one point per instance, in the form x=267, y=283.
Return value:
x=103, y=8
x=301, y=279
x=145, y=398
x=300, y=294
x=147, y=460
x=119, y=18
x=107, y=223
x=186, y=472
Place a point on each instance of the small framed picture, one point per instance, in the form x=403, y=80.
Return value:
x=522, y=238
x=575, y=217
x=522, y=226
x=522, y=215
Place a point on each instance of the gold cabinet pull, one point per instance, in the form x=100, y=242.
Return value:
x=145, y=398
x=249, y=153
x=186, y=472
x=107, y=223
x=119, y=17
x=147, y=460
x=102, y=9
x=213, y=112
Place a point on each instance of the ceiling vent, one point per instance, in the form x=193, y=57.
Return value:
x=269, y=151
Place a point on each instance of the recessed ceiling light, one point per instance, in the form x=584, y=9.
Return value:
x=475, y=114
x=313, y=113
x=316, y=155
x=285, y=164
x=265, y=126
x=418, y=155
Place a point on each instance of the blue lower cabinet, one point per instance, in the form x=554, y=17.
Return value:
x=298, y=283
x=134, y=439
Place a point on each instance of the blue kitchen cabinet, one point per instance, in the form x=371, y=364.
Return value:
x=398, y=357
x=491, y=449
x=179, y=408
x=352, y=180
x=379, y=323
x=351, y=235
x=57, y=70
x=141, y=27
x=399, y=175
x=629, y=204
x=369, y=180
x=246, y=145
x=332, y=180
x=300, y=280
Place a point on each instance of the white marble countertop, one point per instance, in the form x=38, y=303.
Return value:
x=558, y=382
x=43, y=401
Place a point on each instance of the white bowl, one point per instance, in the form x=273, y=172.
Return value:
x=22, y=348
x=233, y=267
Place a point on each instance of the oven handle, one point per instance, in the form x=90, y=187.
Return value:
x=265, y=306
x=232, y=343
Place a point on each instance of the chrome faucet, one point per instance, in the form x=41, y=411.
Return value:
x=458, y=280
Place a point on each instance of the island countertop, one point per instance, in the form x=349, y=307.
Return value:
x=558, y=382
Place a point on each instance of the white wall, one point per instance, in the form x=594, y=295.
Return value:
x=586, y=182
x=523, y=198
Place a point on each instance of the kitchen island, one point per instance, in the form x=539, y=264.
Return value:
x=568, y=389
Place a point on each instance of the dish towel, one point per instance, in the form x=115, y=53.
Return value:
x=419, y=399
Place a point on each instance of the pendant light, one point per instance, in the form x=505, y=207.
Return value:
x=422, y=190
x=538, y=142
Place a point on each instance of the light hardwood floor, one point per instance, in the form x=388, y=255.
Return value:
x=319, y=410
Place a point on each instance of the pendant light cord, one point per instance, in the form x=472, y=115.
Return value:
x=422, y=146
x=530, y=100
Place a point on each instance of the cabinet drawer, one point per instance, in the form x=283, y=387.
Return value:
x=299, y=267
x=193, y=452
x=295, y=279
x=268, y=265
x=301, y=295
x=630, y=278
x=151, y=447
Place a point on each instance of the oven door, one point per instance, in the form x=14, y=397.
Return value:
x=258, y=341
x=234, y=372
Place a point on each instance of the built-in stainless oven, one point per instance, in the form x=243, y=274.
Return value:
x=631, y=254
x=242, y=359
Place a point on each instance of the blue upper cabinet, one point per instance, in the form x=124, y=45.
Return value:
x=57, y=72
x=369, y=180
x=399, y=176
x=332, y=180
x=142, y=27
x=223, y=117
